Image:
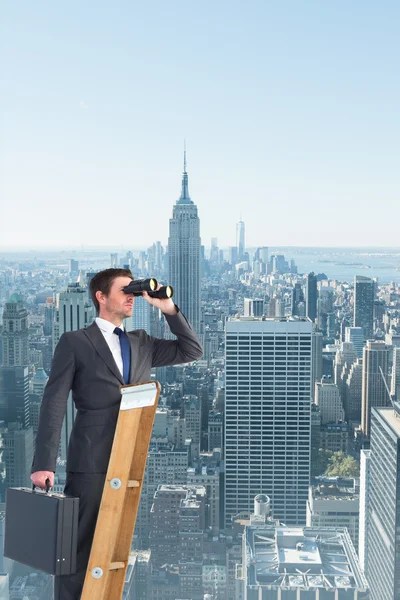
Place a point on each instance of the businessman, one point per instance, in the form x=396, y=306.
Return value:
x=94, y=363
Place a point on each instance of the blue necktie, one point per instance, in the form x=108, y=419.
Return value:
x=125, y=352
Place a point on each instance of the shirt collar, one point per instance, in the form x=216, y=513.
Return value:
x=107, y=326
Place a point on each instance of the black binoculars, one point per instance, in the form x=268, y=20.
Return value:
x=138, y=286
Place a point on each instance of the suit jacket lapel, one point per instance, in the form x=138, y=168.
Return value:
x=100, y=345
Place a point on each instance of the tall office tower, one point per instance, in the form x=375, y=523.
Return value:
x=240, y=240
x=267, y=415
x=48, y=316
x=364, y=296
x=192, y=412
x=38, y=382
x=209, y=477
x=215, y=430
x=233, y=255
x=167, y=464
x=177, y=523
x=374, y=393
x=383, y=524
x=325, y=308
x=365, y=462
x=316, y=360
x=395, y=384
x=214, y=251
x=15, y=333
x=262, y=254
x=335, y=502
x=14, y=395
x=184, y=254
x=279, y=308
x=158, y=257
x=297, y=299
x=279, y=264
x=141, y=316
x=17, y=454
x=345, y=357
x=73, y=266
x=253, y=307
x=353, y=392
x=73, y=312
x=355, y=335
x=327, y=398
x=311, y=296
x=114, y=260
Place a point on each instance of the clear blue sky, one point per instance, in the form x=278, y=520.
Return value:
x=290, y=110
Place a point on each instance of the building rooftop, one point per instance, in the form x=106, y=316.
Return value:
x=302, y=557
x=287, y=319
x=391, y=418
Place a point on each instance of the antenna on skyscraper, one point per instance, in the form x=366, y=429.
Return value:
x=184, y=155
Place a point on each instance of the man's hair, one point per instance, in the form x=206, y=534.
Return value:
x=103, y=280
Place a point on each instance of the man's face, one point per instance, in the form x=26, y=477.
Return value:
x=117, y=303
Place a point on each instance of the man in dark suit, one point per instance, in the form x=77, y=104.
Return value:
x=94, y=363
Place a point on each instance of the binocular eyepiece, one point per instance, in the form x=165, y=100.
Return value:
x=138, y=286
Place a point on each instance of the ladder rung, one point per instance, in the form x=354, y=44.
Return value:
x=133, y=483
x=116, y=565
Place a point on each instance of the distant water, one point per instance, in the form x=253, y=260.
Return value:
x=337, y=263
x=344, y=263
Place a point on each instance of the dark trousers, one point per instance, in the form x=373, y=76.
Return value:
x=88, y=487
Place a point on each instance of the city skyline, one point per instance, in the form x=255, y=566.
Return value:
x=290, y=114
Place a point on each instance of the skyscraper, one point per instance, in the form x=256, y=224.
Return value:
x=374, y=394
x=73, y=312
x=15, y=333
x=383, y=522
x=311, y=296
x=240, y=239
x=267, y=415
x=327, y=397
x=14, y=395
x=364, y=295
x=395, y=385
x=17, y=454
x=353, y=391
x=365, y=462
x=73, y=266
x=355, y=335
x=297, y=299
x=316, y=360
x=184, y=251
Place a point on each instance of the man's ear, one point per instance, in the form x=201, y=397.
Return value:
x=100, y=297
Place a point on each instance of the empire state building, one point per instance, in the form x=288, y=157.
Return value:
x=184, y=252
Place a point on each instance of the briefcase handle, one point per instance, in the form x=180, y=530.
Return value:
x=47, y=482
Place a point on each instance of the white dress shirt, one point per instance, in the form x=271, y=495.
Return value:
x=112, y=339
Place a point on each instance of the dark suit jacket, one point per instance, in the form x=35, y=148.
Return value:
x=83, y=363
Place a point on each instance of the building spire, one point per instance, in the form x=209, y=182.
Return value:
x=185, y=198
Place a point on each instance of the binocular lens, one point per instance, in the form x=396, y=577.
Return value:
x=166, y=291
x=141, y=285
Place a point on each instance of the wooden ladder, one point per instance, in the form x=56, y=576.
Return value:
x=109, y=556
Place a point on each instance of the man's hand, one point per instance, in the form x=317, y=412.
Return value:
x=38, y=478
x=166, y=305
